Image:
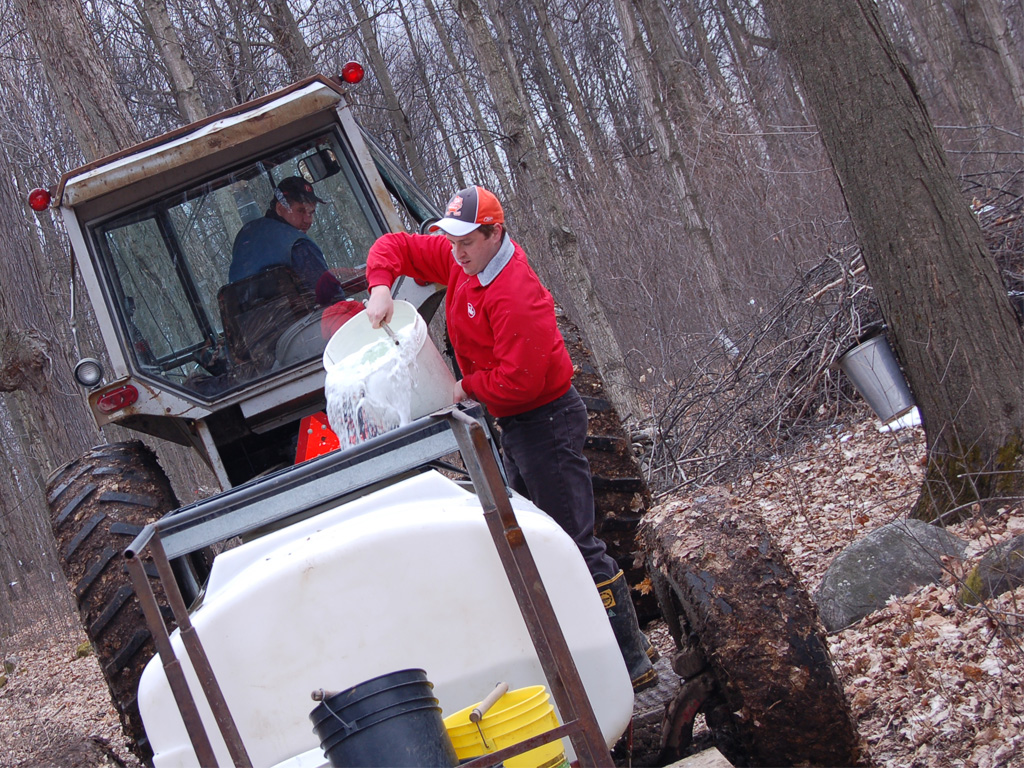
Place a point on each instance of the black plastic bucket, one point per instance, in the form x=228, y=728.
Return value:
x=391, y=721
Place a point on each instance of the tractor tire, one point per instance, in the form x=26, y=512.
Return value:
x=731, y=600
x=98, y=504
x=621, y=495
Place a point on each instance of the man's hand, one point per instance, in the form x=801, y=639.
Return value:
x=458, y=393
x=380, y=306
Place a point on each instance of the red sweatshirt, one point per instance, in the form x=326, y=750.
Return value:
x=506, y=340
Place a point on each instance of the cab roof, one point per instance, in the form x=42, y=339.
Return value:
x=184, y=145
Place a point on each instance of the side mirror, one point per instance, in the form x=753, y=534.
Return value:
x=319, y=165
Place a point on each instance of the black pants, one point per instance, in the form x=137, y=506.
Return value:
x=544, y=461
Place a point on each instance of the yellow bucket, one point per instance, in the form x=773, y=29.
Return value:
x=515, y=717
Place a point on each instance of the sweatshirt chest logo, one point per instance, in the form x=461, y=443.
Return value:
x=470, y=309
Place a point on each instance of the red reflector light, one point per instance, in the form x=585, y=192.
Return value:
x=315, y=438
x=352, y=72
x=39, y=199
x=116, y=399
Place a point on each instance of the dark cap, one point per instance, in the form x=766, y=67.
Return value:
x=296, y=189
x=468, y=210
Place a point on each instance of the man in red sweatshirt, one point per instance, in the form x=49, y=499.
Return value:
x=501, y=321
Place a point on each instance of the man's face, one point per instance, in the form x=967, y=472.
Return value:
x=474, y=252
x=299, y=215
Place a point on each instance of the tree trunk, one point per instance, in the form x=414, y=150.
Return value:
x=525, y=54
x=179, y=74
x=1009, y=56
x=935, y=281
x=79, y=75
x=497, y=167
x=942, y=48
x=288, y=41
x=528, y=159
x=242, y=70
x=663, y=107
x=572, y=91
x=454, y=161
x=399, y=117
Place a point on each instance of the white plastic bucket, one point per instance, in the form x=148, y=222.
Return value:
x=427, y=387
x=873, y=369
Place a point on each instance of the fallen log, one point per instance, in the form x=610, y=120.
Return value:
x=734, y=605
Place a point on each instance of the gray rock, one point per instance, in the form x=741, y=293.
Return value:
x=892, y=560
x=1000, y=570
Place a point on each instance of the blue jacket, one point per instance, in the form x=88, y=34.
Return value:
x=266, y=242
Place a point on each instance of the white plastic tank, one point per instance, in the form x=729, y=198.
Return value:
x=406, y=577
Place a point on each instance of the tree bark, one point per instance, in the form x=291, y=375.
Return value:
x=400, y=118
x=179, y=73
x=935, y=281
x=78, y=74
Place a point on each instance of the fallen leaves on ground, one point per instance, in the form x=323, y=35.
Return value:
x=55, y=710
x=931, y=683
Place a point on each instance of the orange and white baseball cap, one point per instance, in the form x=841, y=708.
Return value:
x=469, y=209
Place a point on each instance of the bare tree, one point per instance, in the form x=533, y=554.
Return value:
x=1002, y=44
x=442, y=126
x=536, y=183
x=280, y=22
x=458, y=67
x=399, y=117
x=662, y=106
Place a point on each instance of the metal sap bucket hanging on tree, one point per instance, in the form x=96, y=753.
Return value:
x=874, y=371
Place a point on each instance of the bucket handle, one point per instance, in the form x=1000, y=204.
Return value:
x=480, y=710
x=322, y=696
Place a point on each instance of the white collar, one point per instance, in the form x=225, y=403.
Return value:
x=498, y=262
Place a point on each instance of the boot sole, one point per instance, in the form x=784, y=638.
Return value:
x=648, y=679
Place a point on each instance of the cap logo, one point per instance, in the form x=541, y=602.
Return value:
x=455, y=206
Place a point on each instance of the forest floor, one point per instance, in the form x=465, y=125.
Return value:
x=930, y=683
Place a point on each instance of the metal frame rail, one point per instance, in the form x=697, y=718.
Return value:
x=317, y=485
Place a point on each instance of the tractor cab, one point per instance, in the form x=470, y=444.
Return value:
x=195, y=353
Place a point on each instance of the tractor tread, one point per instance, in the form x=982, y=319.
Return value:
x=114, y=491
x=124, y=656
x=606, y=443
x=83, y=533
x=138, y=499
x=72, y=505
x=126, y=529
x=94, y=572
x=58, y=490
x=110, y=609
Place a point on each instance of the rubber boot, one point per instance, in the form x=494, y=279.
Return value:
x=622, y=615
